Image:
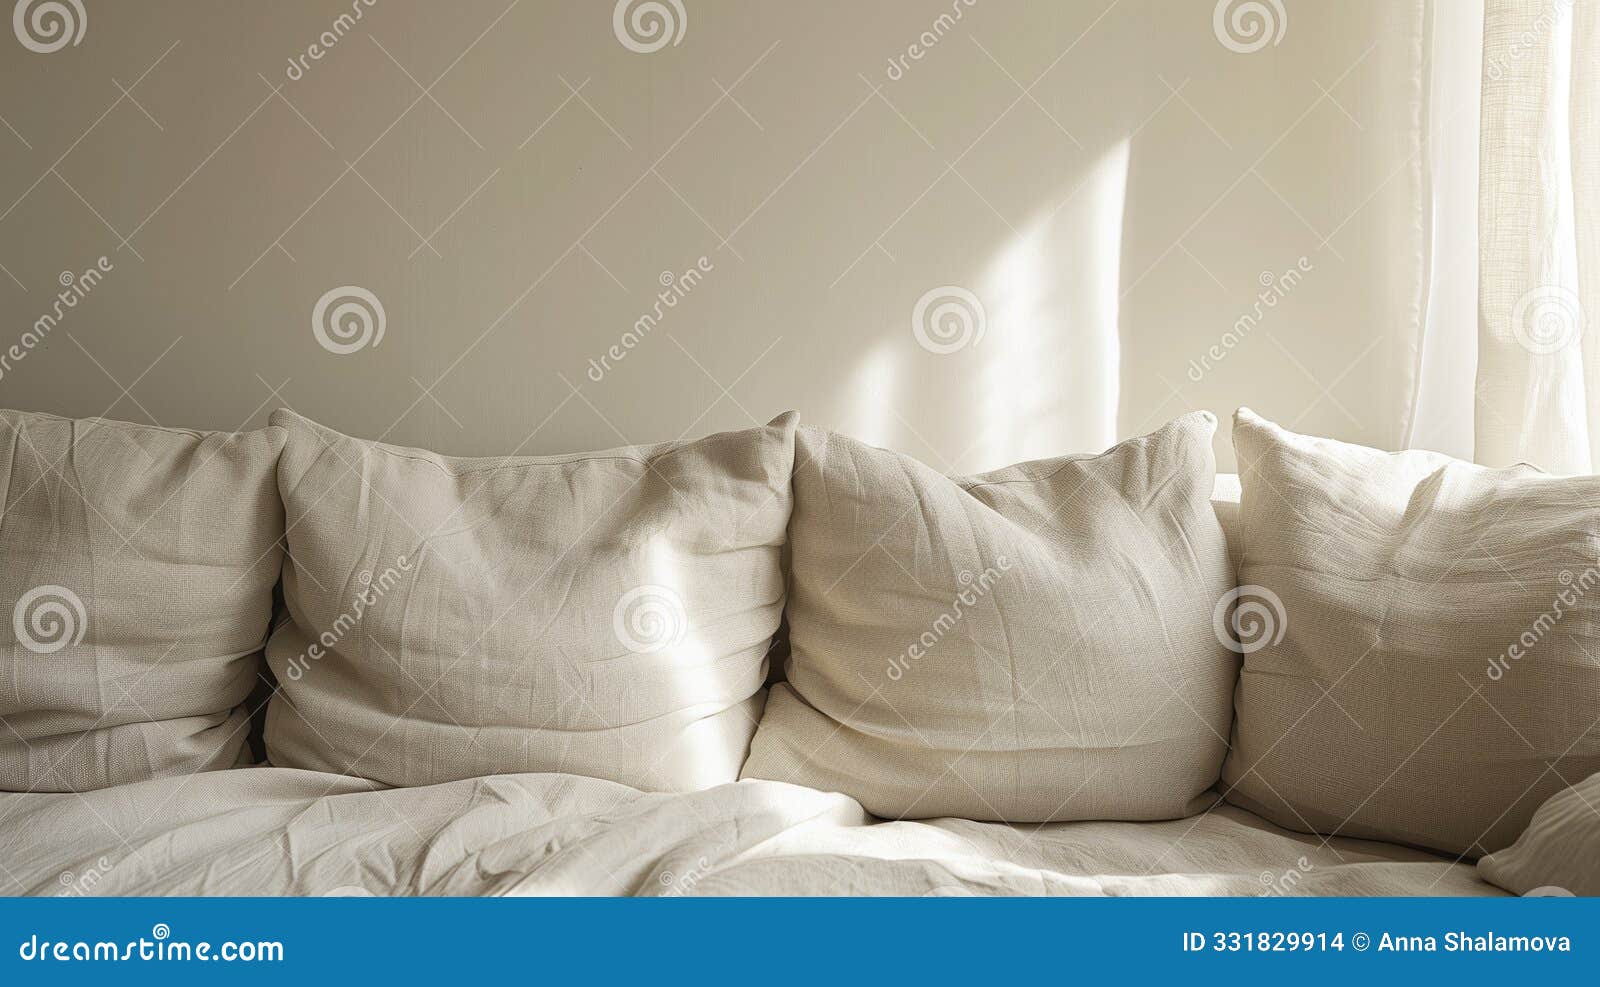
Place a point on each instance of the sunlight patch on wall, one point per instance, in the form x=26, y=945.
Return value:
x=1052, y=354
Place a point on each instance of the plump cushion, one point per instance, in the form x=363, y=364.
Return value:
x=1559, y=852
x=1030, y=644
x=1424, y=666
x=137, y=575
x=604, y=614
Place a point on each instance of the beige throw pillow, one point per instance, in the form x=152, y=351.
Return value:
x=1559, y=853
x=1031, y=644
x=1426, y=669
x=137, y=575
x=604, y=614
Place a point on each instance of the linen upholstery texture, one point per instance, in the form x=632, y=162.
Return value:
x=138, y=571
x=1393, y=706
x=1559, y=852
x=1030, y=644
x=605, y=614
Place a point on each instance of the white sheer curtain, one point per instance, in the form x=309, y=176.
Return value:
x=1538, y=364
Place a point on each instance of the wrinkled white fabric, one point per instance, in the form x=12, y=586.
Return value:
x=277, y=831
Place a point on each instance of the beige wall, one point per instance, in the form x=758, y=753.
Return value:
x=1108, y=180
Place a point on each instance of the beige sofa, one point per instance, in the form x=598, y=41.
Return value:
x=572, y=797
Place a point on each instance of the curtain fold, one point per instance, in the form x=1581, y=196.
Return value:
x=1538, y=374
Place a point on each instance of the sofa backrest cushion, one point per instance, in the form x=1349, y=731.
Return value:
x=604, y=614
x=1031, y=644
x=136, y=572
x=1422, y=657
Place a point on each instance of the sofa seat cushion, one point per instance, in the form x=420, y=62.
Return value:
x=276, y=831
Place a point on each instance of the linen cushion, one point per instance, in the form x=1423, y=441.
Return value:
x=1030, y=644
x=137, y=585
x=605, y=614
x=1559, y=852
x=1428, y=671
